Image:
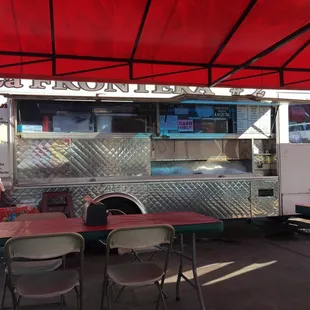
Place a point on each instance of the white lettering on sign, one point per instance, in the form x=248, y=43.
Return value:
x=101, y=90
x=221, y=112
x=186, y=125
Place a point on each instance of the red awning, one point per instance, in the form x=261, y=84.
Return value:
x=241, y=43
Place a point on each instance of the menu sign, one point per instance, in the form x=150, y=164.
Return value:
x=186, y=125
x=265, y=120
x=254, y=120
x=242, y=118
x=253, y=113
x=253, y=117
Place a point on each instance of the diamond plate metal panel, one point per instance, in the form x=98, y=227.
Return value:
x=111, y=157
x=42, y=159
x=32, y=197
x=65, y=158
x=264, y=206
x=219, y=199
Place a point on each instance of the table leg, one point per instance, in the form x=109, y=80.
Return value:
x=192, y=259
x=194, y=268
x=180, y=272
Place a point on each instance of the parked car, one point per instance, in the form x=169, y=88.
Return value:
x=299, y=133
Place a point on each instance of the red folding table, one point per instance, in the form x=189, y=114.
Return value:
x=183, y=223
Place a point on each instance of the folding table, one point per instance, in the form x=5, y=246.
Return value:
x=183, y=223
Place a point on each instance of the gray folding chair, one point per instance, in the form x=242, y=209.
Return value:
x=45, y=284
x=31, y=267
x=141, y=273
x=135, y=252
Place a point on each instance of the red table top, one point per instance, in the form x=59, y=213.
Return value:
x=176, y=219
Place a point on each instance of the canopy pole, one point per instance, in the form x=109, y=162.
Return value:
x=297, y=82
x=295, y=54
x=52, y=26
x=146, y=11
x=282, y=82
x=233, y=30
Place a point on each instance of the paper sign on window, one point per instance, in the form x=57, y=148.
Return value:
x=186, y=125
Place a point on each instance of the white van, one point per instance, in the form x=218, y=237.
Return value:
x=299, y=132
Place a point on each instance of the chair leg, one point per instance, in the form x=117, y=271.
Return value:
x=136, y=256
x=108, y=298
x=4, y=290
x=62, y=302
x=81, y=295
x=104, y=288
x=119, y=294
x=77, y=298
x=14, y=299
x=113, y=290
x=16, y=306
x=152, y=256
x=165, y=294
x=160, y=297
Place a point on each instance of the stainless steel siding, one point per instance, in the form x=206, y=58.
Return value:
x=222, y=199
x=66, y=158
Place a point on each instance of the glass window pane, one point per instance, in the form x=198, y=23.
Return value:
x=80, y=116
x=299, y=123
x=197, y=119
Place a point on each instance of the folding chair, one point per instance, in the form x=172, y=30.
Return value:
x=136, y=274
x=31, y=267
x=135, y=252
x=48, y=284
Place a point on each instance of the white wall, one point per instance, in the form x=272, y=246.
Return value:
x=294, y=164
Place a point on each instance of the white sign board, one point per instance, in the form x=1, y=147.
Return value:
x=242, y=118
x=254, y=120
x=4, y=141
x=102, y=90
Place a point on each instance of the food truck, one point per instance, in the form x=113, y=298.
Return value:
x=228, y=153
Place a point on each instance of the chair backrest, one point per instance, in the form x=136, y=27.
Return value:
x=40, y=216
x=45, y=246
x=140, y=237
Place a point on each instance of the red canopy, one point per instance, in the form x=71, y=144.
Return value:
x=241, y=43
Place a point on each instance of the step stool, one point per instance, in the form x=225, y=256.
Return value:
x=48, y=203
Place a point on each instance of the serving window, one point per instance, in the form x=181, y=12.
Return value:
x=69, y=116
x=197, y=119
x=239, y=118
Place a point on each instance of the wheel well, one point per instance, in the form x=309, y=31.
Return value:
x=121, y=201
